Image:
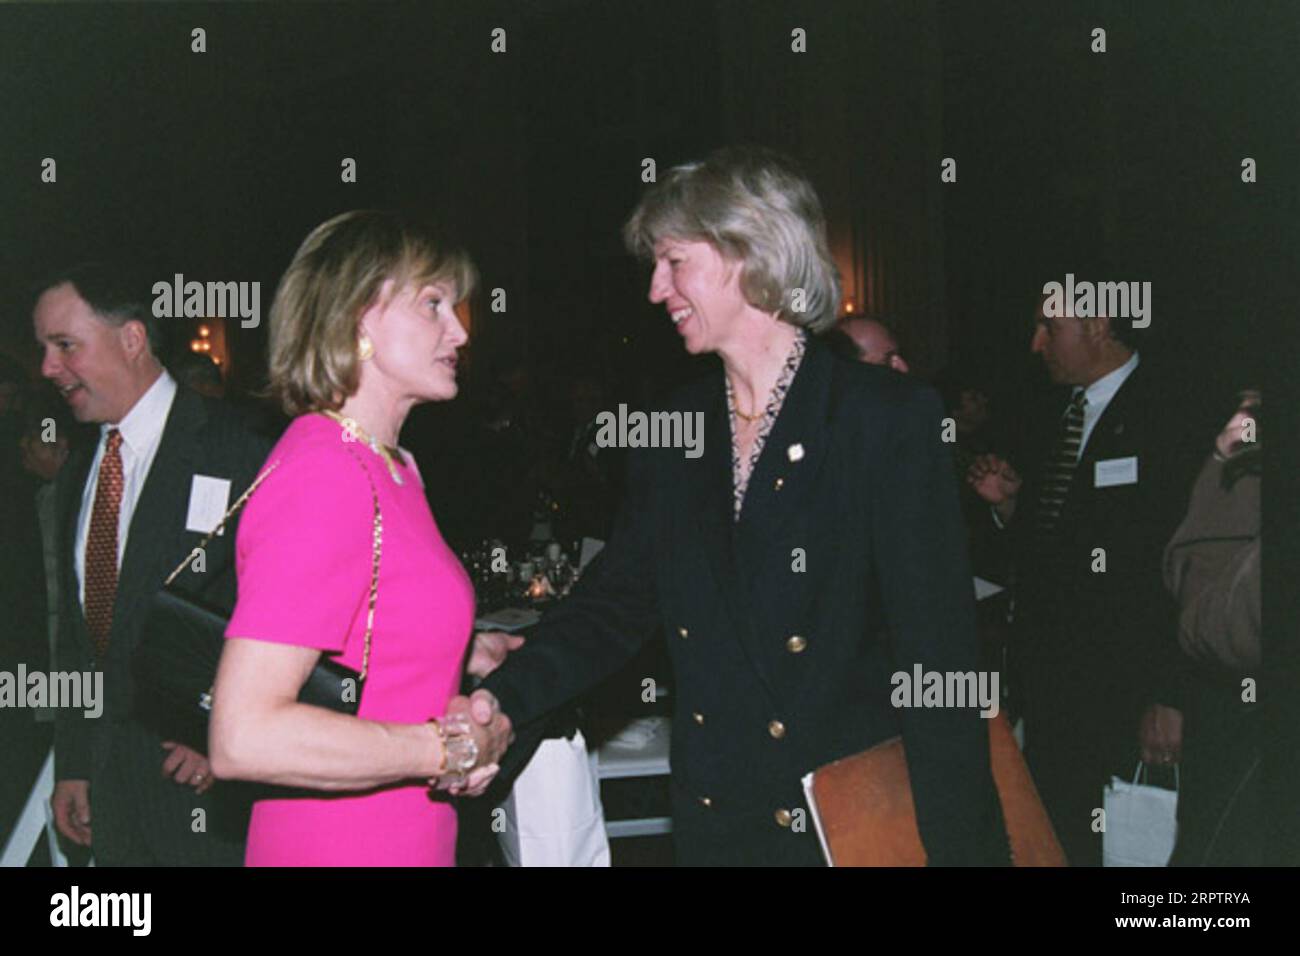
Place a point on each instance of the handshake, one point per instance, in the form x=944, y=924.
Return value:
x=475, y=732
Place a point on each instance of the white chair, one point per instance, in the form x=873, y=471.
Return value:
x=625, y=757
x=37, y=818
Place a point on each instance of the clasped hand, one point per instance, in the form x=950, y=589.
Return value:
x=476, y=723
x=477, y=734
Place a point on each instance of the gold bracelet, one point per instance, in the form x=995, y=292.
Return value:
x=447, y=740
x=442, y=737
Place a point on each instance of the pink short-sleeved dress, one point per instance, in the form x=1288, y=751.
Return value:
x=303, y=559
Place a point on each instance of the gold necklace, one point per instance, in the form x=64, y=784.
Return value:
x=387, y=452
x=735, y=407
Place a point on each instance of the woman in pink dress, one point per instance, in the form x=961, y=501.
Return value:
x=362, y=329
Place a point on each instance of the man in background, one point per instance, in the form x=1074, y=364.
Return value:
x=867, y=340
x=130, y=506
x=40, y=443
x=1093, y=646
x=197, y=371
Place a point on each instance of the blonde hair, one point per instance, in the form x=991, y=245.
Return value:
x=336, y=274
x=756, y=207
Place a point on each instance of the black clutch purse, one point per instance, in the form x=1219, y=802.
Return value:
x=175, y=663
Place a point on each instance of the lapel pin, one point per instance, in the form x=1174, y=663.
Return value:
x=794, y=452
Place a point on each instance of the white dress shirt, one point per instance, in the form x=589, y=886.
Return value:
x=141, y=429
x=1099, y=394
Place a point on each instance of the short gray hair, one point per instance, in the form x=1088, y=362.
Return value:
x=756, y=207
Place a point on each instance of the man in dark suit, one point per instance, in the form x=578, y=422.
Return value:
x=130, y=506
x=1095, y=665
x=847, y=565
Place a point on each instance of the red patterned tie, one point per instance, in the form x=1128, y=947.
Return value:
x=101, y=545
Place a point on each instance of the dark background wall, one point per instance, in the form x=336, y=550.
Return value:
x=216, y=165
x=1130, y=159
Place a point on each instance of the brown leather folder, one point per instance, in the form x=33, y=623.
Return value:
x=867, y=817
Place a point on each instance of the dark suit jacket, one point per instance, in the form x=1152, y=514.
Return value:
x=871, y=507
x=122, y=757
x=1096, y=647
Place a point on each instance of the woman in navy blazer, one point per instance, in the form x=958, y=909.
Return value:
x=812, y=551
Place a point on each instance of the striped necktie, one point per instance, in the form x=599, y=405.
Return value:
x=101, y=545
x=1061, y=466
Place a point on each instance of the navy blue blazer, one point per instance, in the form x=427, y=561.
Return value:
x=848, y=564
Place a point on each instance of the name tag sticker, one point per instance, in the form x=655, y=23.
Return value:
x=1115, y=471
x=209, y=498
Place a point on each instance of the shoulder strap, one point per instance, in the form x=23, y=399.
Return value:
x=376, y=547
x=230, y=512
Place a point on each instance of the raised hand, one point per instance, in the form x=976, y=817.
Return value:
x=995, y=481
x=1231, y=440
x=490, y=650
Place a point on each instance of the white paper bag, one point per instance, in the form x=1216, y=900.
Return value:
x=553, y=814
x=1141, y=822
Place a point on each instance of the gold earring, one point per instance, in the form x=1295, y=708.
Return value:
x=365, y=348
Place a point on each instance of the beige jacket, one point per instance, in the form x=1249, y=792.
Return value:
x=1212, y=566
